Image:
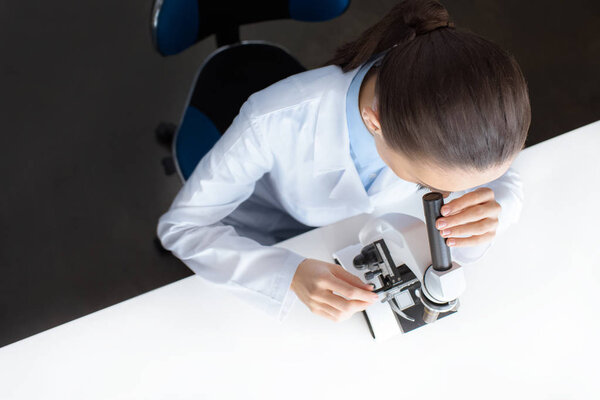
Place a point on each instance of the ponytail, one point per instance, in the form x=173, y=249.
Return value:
x=403, y=23
x=444, y=96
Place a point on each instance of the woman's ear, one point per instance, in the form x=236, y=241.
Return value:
x=371, y=118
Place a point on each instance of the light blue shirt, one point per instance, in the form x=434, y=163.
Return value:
x=362, y=145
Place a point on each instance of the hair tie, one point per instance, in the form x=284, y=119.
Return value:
x=413, y=32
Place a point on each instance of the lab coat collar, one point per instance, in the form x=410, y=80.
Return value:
x=332, y=147
x=331, y=151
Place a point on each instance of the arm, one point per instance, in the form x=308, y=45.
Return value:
x=223, y=179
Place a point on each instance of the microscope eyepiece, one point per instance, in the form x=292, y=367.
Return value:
x=441, y=259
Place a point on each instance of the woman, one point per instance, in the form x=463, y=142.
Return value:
x=412, y=103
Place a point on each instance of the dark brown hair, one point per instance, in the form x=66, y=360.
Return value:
x=445, y=95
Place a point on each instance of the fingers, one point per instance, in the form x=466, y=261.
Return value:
x=478, y=196
x=330, y=291
x=471, y=241
x=350, y=278
x=491, y=209
x=474, y=228
x=336, y=308
x=473, y=216
x=351, y=292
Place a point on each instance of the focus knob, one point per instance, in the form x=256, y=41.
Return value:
x=368, y=256
x=359, y=261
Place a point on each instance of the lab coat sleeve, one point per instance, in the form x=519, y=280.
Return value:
x=192, y=231
x=508, y=192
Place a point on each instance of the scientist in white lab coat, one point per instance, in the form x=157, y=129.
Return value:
x=412, y=103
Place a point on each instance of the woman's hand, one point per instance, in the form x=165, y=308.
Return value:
x=475, y=215
x=315, y=283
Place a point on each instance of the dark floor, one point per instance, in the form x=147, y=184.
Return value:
x=82, y=90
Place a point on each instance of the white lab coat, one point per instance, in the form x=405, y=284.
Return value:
x=281, y=167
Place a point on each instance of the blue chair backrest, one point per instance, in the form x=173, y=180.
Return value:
x=178, y=24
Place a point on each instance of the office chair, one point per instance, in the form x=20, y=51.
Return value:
x=230, y=74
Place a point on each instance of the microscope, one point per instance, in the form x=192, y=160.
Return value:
x=410, y=266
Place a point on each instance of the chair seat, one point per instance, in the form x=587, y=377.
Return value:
x=225, y=81
x=230, y=76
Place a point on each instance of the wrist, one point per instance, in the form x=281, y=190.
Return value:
x=295, y=278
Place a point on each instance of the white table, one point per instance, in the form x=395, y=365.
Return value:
x=528, y=327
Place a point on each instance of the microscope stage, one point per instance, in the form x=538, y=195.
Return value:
x=383, y=322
